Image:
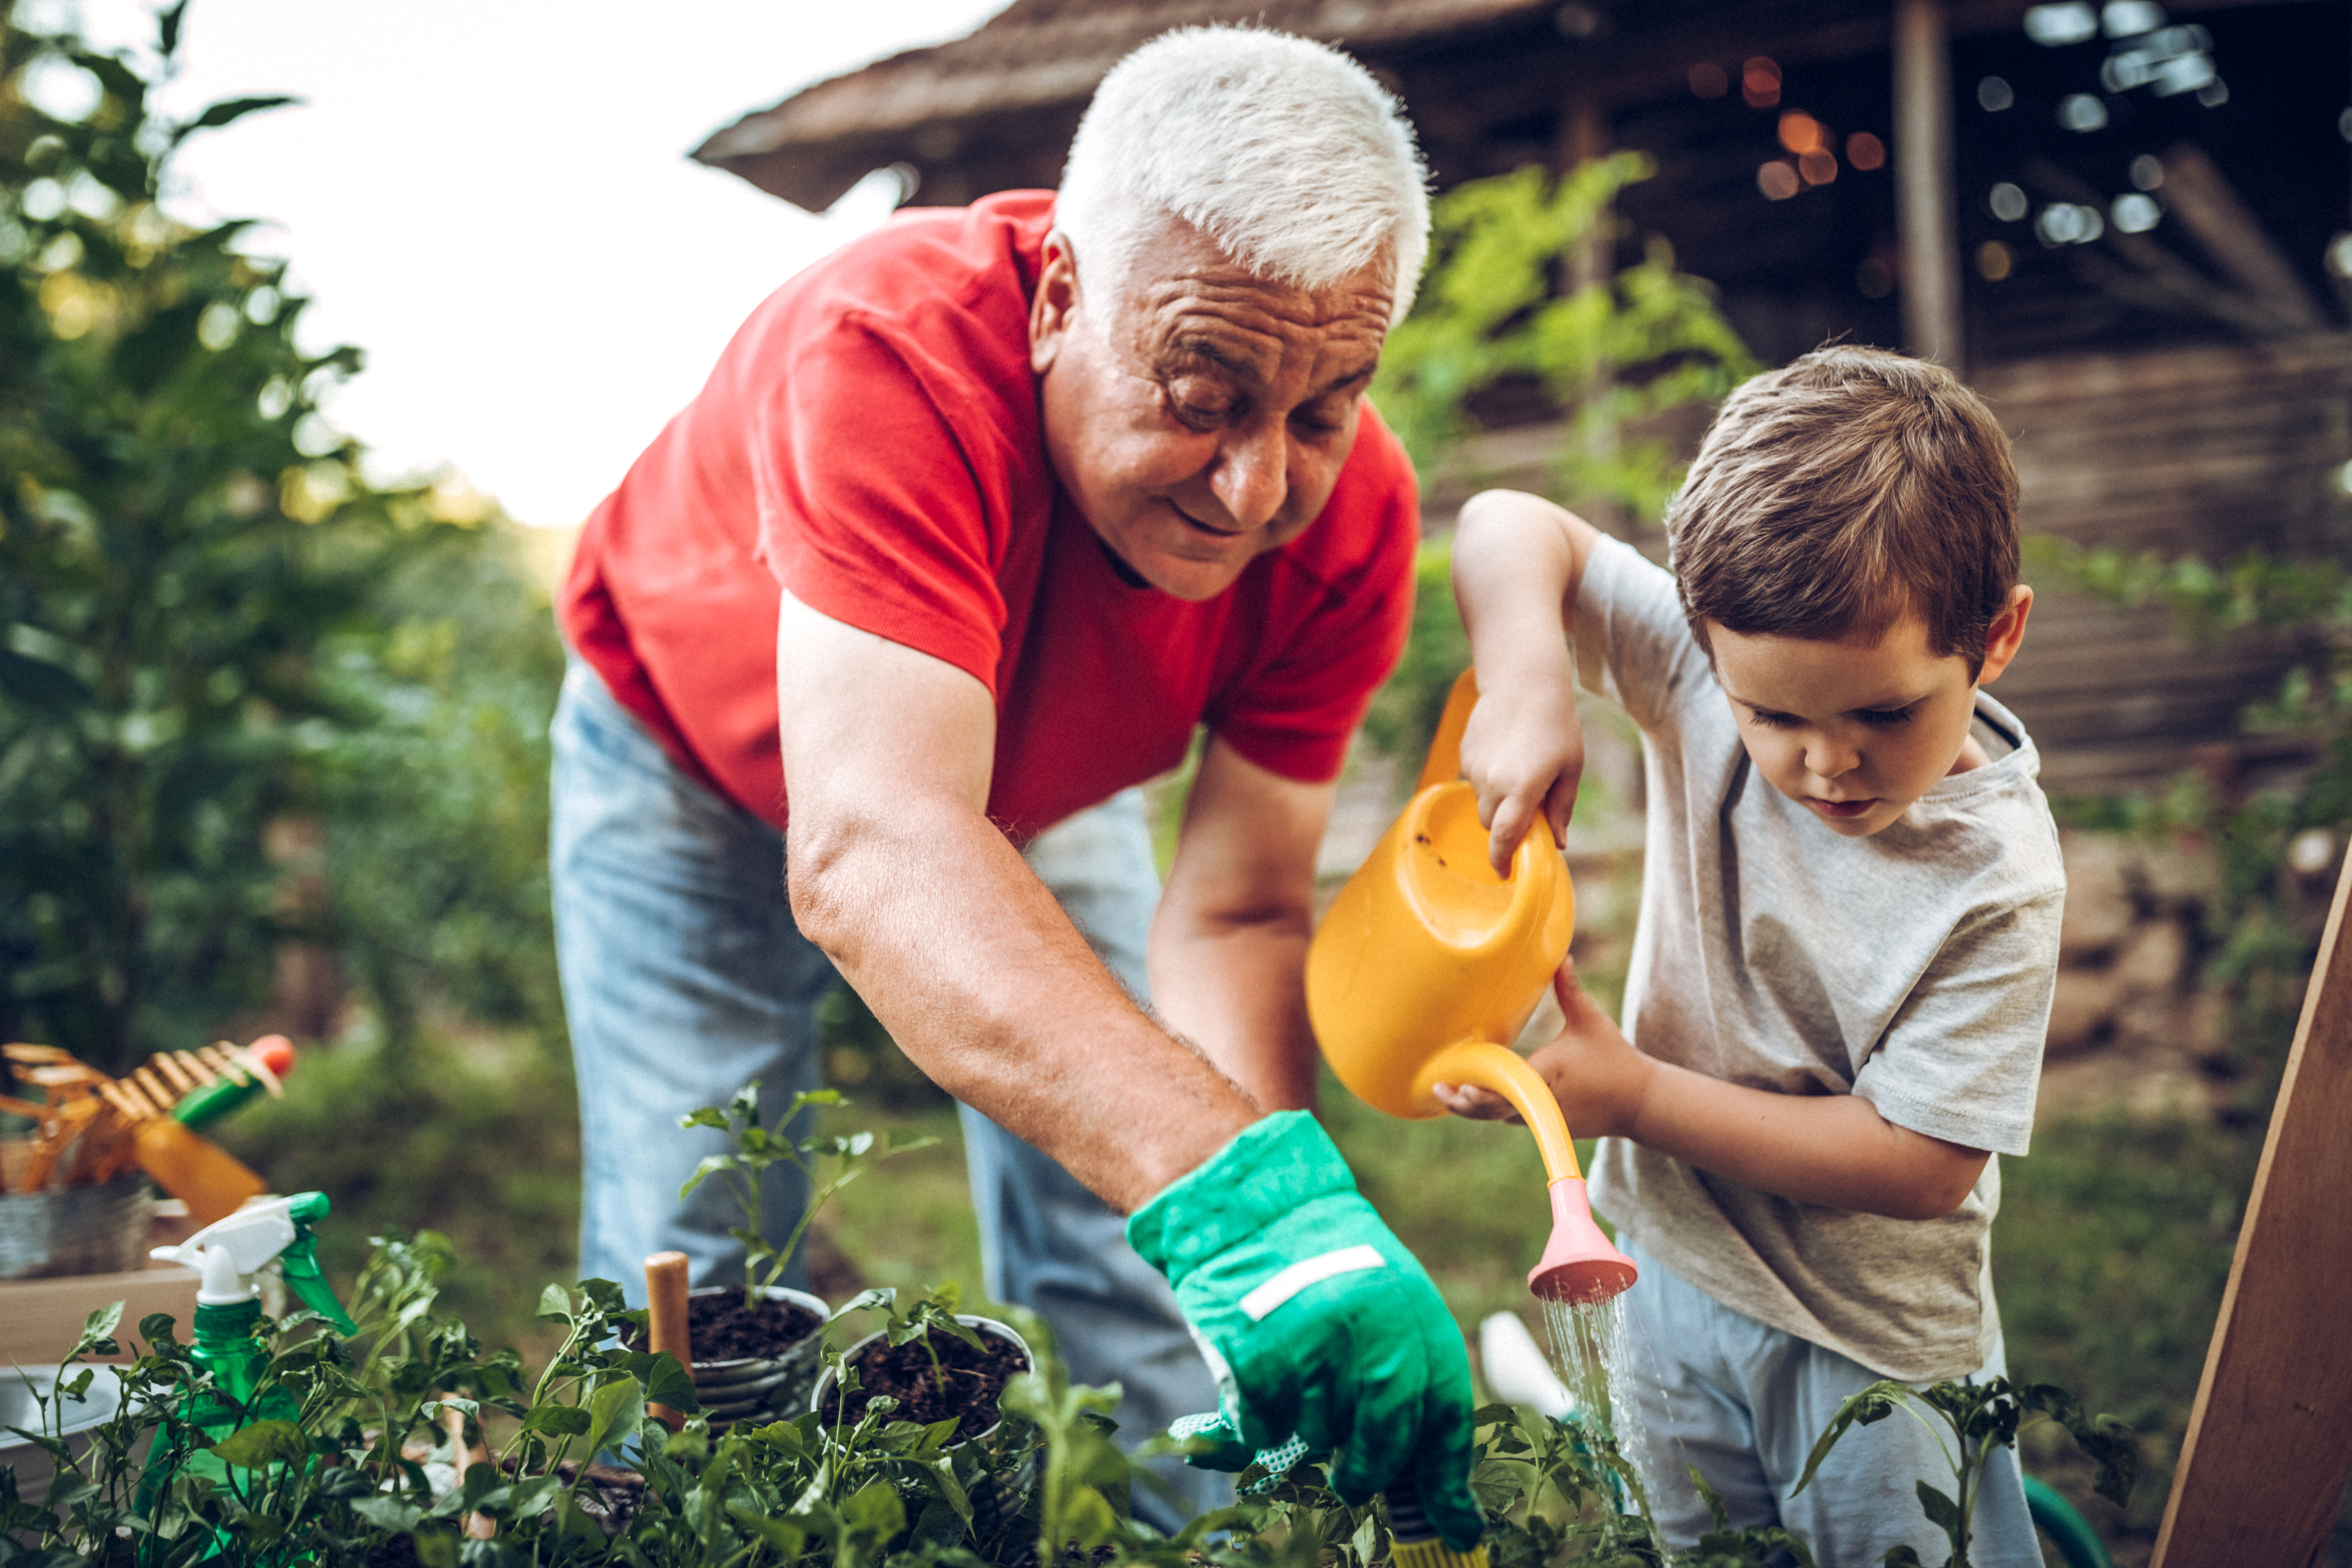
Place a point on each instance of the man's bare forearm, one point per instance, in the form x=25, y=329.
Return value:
x=1235, y=989
x=966, y=958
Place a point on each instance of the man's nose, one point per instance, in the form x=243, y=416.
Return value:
x=1252, y=475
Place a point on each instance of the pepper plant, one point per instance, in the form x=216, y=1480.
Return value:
x=828, y=1163
x=581, y=1476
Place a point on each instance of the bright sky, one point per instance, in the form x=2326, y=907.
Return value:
x=492, y=198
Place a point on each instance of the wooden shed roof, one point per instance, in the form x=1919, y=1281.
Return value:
x=1035, y=55
x=999, y=102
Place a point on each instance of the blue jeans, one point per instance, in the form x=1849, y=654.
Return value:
x=684, y=978
x=1744, y=1403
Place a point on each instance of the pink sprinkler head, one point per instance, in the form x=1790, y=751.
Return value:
x=1579, y=1265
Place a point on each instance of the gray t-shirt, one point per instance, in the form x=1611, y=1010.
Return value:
x=1913, y=968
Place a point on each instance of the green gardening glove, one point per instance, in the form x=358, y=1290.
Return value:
x=1316, y=1322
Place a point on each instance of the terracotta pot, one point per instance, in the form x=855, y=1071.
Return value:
x=989, y=1328
x=761, y=1387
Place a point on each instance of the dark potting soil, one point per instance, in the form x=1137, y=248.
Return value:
x=394, y=1551
x=721, y=1330
x=965, y=1386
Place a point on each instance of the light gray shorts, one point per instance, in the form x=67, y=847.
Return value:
x=1744, y=1403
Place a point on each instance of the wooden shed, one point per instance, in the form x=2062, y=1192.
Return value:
x=2115, y=218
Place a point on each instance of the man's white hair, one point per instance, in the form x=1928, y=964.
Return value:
x=1285, y=151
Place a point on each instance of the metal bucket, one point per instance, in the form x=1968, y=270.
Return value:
x=988, y=1327
x=755, y=1388
x=64, y=1418
x=76, y=1230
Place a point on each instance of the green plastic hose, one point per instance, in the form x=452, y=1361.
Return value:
x=2066, y=1529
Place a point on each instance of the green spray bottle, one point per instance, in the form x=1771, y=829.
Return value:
x=228, y=1254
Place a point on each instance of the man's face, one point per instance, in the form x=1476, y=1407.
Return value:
x=1856, y=729
x=1199, y=416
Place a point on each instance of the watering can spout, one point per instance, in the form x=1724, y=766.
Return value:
x=1428, y=962
x=1579, y=1264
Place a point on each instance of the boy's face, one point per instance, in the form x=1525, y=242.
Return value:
x=1856, y=729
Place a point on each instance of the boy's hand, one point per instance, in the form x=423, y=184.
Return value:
x=1523, y=752
x=1595, y=1073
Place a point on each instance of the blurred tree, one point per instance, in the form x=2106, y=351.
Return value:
x=201, y=626
x=1629, y=345
x=1498, y=304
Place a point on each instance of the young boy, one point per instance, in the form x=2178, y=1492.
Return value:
x=1848, y=934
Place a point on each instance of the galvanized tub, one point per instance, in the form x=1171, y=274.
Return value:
x=76, y=1230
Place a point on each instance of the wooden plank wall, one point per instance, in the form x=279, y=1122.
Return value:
x=2212, y=449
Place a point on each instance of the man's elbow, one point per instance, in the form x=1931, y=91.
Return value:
x=821, y=877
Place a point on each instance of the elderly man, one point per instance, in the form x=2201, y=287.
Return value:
x=975, y=523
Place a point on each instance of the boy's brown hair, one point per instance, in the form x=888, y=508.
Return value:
x=1833, y=495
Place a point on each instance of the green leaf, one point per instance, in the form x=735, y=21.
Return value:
x=228, y=111
x=711, y=1166
x=389, y=1513
x=1870, y=1404
x=98, y=1333
x=617, y=1408
x=555, y=1304
x=782, y=1537
x=262, y=1443
x=667, y=1382
x=572, y=1524
x=1087, y=1517
x=1941, y=1510
x=435, y=1548
x=491, y=1554
x=874, y=1509
x=557, y=1420
x=883, y=1297
x=532, y=1498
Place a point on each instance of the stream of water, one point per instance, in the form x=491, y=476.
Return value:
x=1592, y=1352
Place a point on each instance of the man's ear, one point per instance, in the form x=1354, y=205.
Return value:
x=1054, y=306
x=2006, y=631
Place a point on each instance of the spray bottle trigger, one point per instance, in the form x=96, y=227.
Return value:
x=300, y=1263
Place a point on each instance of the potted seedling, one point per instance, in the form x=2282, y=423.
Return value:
x=756, y=1349
x=934, y=1365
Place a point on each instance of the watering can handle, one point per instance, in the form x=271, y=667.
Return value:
x=1444, y=763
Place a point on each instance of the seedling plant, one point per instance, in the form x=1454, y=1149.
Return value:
x=1969, y=1420
x=581, y=1476
x=829, y=1164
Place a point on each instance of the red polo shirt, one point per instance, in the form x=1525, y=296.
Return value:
x=871, y=439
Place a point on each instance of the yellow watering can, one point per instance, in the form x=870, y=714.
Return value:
x=1429, y=964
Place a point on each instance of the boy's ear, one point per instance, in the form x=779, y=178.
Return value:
x=2006, y=631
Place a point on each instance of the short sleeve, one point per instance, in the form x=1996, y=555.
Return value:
x=1351, y=602
x=1632, y=645
x=885, y=496
x=1962, y=1058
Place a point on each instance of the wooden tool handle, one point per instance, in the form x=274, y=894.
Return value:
x=666, y=1322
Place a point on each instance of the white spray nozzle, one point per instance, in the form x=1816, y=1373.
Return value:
x=229, y=1252
x=1518, y=1370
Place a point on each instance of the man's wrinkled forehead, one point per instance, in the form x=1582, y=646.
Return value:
x=1187, y=293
